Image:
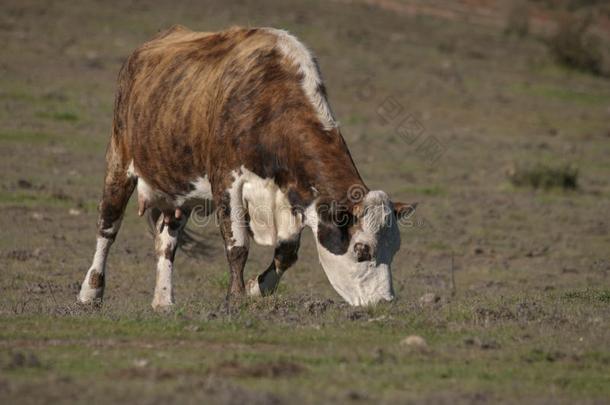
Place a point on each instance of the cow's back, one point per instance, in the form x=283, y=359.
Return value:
x=172, y=93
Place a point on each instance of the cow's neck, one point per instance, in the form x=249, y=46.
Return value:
x=332, y=170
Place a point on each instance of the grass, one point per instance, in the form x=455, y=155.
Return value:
x=60, y=116
x=26, y=137
x=545, y=177
x=557, y=93
x=573, y=47
x=589, y=295
x=183, y=345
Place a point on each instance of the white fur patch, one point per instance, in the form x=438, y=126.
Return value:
x=202, y=191
x=239, y=227
x=87, y=292
x=271, y=216
x=294, y=50
x=101, y=253
x=131, y=170
x=153, y=197
x=163, y=296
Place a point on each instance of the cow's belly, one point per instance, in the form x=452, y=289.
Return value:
x=199, y=194
x=269, y=211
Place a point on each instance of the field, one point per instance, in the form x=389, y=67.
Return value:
x=507, y=285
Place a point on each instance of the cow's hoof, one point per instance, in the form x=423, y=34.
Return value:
x=253, y=288
x=162, y=306
x=88, y=295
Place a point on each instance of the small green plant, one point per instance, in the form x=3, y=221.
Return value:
x=221, y=281
x=541, y=176
x=59, y=116
x=573, y=47
x=589, y=295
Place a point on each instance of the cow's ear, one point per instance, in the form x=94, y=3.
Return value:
x=404, y=210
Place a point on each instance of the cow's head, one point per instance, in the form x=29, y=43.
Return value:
x=356, y=245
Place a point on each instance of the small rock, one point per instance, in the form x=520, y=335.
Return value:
x=478, y=250
x=141, y=363
x=74, y=212
x=429, y=299
x=415, y=342
x=37, y=216
x=192, y=328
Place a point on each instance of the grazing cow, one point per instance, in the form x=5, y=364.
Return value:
x=240, y=118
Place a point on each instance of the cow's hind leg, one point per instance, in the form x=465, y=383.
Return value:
x=267, y=282
x=118, y=187
x=167, y=235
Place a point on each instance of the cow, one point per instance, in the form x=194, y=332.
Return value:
x=240, y=119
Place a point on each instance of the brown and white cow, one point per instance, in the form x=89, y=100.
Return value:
x=240, y=118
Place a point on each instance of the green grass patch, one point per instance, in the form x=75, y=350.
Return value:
x=432, y=191
x=59, y=116
x=589, y=295
x=563, y=94
x=26, y=137
x=19, y=95
x=339, y=356
x=31, y=199
x=543, y=176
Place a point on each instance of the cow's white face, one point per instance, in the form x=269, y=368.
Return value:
x=360, y=270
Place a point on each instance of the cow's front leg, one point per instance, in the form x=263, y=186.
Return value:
x=118, y=186
x=234, y=229
x=167, y=233
x=267, y=282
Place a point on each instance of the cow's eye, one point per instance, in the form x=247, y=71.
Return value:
x=362, y=251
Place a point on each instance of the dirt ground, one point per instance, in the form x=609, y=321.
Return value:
x=507, y=287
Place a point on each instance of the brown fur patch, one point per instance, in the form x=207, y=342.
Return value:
x=96, y=280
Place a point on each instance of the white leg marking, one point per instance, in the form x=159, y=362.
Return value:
x=95, y=275
x=264, y=284
x=165, y=244
x=164, y=294
x=253, y=288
